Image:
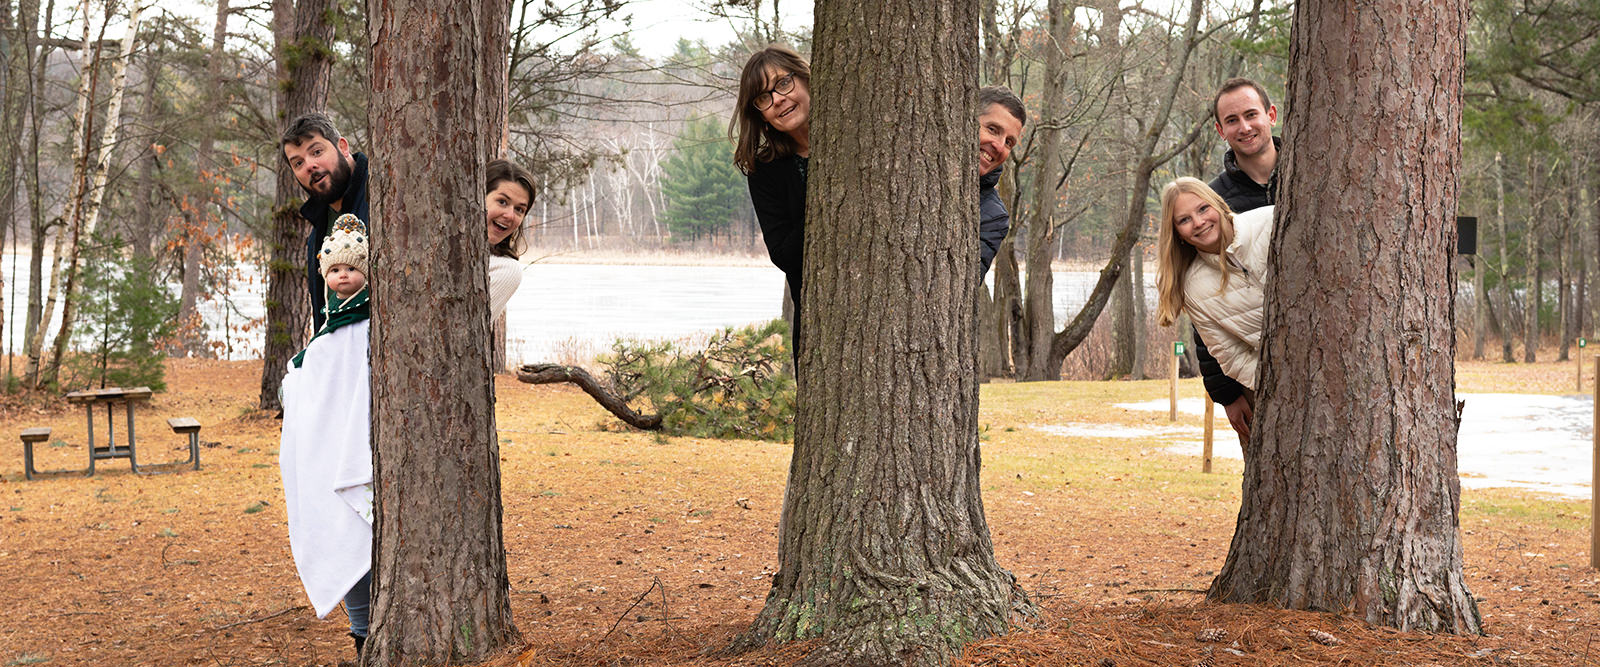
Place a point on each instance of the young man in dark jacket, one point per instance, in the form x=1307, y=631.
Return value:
x=1000, y=120
x=335, y=182
x=1244, y=118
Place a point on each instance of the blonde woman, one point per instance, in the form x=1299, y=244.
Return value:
x=1212, y=264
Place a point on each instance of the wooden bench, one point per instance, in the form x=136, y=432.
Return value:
x=181, y=426
x=30, y=437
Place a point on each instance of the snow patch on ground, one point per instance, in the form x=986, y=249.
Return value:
x=1535, y=442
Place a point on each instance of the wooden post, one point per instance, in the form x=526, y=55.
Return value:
x=1594, y=498
x=1580, y=367
x=1172, y=414
x=1211, y=416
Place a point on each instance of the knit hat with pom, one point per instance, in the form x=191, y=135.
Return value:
x=345, y=244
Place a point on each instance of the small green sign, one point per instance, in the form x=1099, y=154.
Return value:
x=1177, y=348
x=1583, y=342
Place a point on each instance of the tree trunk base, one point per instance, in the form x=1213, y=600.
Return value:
x=890, y=620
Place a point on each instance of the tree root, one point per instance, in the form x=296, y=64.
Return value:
x=556, y=373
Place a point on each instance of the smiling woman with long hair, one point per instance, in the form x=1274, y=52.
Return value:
x=507, y=197
x=1212, y=264
x=771, y=127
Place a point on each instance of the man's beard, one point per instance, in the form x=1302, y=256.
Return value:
x=338, y=182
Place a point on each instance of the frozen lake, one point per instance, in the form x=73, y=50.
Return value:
x=1542, y=443
x=562, y=310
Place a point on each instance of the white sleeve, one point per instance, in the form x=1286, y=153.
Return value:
x=505, y=276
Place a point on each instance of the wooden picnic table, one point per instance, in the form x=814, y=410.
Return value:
x=111, y=397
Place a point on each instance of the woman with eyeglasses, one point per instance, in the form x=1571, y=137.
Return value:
x=771, y=127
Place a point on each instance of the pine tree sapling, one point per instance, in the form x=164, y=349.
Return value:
x=127, y=316
x=733, y=388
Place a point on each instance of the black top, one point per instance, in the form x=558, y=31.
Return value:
x=778, y=193
x=994, y=221
x=1242, y=192
x=316, y=213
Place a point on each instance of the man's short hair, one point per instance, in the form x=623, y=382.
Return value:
x=1234, y=84
x=301, y=129
x=1001, y=95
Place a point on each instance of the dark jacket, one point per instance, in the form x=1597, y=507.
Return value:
x=994, y=221
x=1242, y=194
x=778, y=193
x=316, y=213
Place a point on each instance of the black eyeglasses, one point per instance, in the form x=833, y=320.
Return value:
x=783, y=86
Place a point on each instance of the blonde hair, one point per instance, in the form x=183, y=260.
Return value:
x=1174, y=255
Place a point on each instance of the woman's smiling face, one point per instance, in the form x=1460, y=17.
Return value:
x=789, y=111
x=507, y=204
x=1197, y=222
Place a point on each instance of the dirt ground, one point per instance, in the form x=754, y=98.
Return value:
x=627, y=549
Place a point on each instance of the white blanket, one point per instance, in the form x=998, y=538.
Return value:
x=326, y=461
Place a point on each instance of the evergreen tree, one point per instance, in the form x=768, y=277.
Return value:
x=704, y=191
x=127, y=315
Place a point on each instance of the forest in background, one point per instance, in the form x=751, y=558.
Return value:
x=149, y=139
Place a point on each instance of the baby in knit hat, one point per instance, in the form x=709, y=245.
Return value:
x=325, y=455
x=344, y=259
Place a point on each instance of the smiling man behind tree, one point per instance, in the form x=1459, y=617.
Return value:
x=335, y=182
x=1244, y=118
x=1000, y=120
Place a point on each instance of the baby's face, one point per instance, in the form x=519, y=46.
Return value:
x=345, y=280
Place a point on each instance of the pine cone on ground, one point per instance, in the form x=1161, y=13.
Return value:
x=1323, y=638
x=1212, y=635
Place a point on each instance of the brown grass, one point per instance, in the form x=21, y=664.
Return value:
x=625, y=549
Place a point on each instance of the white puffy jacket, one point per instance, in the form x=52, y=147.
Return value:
x=1230, y=320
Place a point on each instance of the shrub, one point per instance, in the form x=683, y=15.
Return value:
x=733, y=388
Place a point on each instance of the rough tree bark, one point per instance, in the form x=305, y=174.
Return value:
x=884, y=551
x=441, y=594
x=1351, y=502
x=304, y=65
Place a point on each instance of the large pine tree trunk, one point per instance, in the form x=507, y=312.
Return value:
x=302, y=32
x=1351, y=501
x=884, y=551
x=441, y=593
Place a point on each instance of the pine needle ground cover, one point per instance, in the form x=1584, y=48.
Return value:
x=627, y=549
